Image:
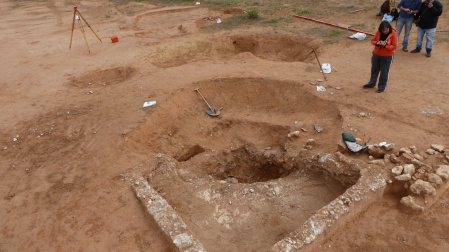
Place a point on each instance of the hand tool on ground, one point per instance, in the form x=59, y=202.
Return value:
x=212, y=111
x=78, y=17
x=319, y=63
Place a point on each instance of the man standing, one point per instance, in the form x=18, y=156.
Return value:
x=426, y=20
x=406, y=17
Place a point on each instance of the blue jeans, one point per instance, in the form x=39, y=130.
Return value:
x=408, y=22
x=430, y=35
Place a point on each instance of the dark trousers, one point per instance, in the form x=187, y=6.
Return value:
x=380, y=64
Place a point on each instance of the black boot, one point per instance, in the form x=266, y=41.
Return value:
x=416, y=50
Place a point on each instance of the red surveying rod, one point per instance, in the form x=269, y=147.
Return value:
x=337, y=26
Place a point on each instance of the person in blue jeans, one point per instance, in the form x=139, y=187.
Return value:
x=407, y=8
x=426, y=20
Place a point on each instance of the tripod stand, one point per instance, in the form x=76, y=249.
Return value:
x=76, y=11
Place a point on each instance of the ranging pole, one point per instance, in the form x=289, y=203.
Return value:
x=337, y=26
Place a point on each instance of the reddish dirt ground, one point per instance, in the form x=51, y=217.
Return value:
x=72, y=123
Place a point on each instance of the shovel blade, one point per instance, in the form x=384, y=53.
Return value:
x=213, y=112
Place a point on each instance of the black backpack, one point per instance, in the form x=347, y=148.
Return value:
x=385, y=7
x=395, y=13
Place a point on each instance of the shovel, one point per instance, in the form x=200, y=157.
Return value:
x=212, y=111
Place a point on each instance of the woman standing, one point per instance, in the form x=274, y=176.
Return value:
x=385, y=43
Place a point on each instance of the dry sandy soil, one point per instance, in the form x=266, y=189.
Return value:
x=72, y=124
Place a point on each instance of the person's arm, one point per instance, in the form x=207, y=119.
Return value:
x=436, y=8
x=392, y=42
x=402, y=8
x=375, y=39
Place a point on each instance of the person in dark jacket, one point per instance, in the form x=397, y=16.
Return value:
x=406, y=17
x=385, y=42
x=426, y=20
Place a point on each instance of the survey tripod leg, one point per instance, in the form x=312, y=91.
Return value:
x=73, y=27
x=79, y=17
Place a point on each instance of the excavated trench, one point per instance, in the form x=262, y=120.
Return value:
x=238, y=180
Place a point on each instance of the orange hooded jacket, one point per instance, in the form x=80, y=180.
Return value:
x=390, y=48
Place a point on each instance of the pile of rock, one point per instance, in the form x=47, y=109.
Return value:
x=421, y=180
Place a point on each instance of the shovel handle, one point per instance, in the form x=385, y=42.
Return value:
x=197, y=90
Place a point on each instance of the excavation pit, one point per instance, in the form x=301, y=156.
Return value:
x=241, y=209
x=286, y=49
x=239, y=181
x=244, y=165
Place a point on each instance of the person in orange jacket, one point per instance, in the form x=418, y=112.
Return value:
x=385, y=43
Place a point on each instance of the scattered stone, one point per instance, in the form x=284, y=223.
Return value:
x=394, y=159
x=408, y=156
x=312, y=83
x=251, y=190
x=397, y=170
x=268, y=148
x=403, y=177
x=362, y=114
x=409, y=201
x=389, y=146
x=443, y=171
x=5, y=148
x=376, y=151
x=404, y=150
x=370, y=157
x=318, y=128
x=304, y=130
x=338, y=88
x=387, y=158
x=430, y=151
x=417, y=162
x=14, y=139
x=413, y=149
x=277, y=190
x=294, y=133
x=233, y=180
x=311, y=142
x=409, y=169
x=386, y=146
x=419, y=157
x=377, y=162
x=433, y=178
x=437, y=147
x=421, y=187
